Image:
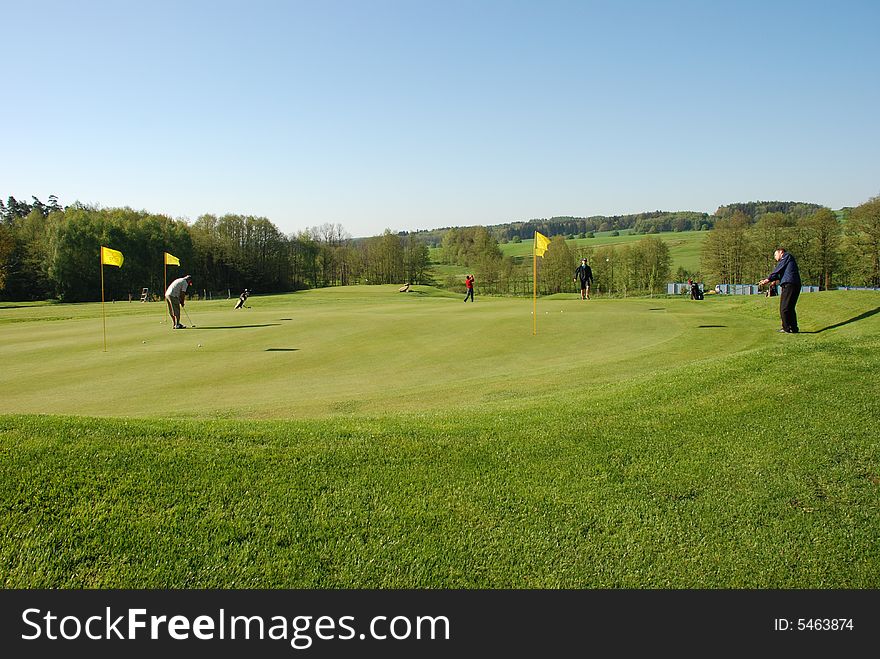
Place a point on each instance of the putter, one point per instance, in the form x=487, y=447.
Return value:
x=191, y=323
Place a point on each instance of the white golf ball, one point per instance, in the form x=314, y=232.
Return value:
x=143, y=341
x=200, y=345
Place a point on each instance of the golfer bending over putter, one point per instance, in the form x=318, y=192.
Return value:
x=175, y=297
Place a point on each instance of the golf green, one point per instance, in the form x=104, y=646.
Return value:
x=354, y=350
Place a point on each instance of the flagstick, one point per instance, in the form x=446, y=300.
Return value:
x=535, y=285
x=103, y=314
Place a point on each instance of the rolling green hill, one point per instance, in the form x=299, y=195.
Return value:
x=684, y=249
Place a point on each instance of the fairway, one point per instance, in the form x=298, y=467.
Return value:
x=684, y=249
x=684, y=246
x=353, y=350
x=362, y=438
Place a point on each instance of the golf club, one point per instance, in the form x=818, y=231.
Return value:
x=191, y=323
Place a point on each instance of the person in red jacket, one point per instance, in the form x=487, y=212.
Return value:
x=469, y=282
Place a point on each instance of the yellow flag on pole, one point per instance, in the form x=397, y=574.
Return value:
x=170, y=259
x=541, y=244
x=108, y=257
x=111, y=257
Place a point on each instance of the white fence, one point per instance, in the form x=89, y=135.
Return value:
x=679, y=288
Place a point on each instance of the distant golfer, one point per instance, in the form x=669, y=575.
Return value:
x=584, y=273
x=175, y=297
x=789, y=278
x=469, y=283
x=241, y=299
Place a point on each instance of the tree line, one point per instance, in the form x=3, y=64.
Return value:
x=831, y=249
x=49, y=251
x=634, y=268
x=644, y=223
x=582, y=227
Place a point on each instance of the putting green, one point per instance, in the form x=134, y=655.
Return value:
x=354, y=351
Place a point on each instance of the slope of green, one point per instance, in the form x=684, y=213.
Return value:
x=698, y=450
x=348, y=350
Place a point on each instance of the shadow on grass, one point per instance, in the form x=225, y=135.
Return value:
x=281, y=349
x=867, y=314
x=698, y=326
x=213, y=327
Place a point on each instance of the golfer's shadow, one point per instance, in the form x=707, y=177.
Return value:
x=867, y=314
x=281, y=349
x=201, y=327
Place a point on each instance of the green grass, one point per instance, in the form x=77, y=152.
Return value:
x=341, y=351
x=684, y=249
x=414, y=441
x=684, y=246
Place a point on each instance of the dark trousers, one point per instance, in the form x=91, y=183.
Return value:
x=469, y=294
x=787, y=301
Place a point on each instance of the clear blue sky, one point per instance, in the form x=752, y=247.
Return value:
x=424, y=114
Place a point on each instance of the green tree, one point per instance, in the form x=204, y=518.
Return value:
x=725, y=251
x=771, y=231
x=824, y=247
x=557, y=266
x=602, y=265
x=415, y=260
x=651, y=265
x=864, y=233
x=74, y=248
x=7, y=247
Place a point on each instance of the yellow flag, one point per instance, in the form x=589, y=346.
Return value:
x=171, y=259
x=541, y=243
x=111, y=257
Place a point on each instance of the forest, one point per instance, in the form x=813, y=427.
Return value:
x=50, y=251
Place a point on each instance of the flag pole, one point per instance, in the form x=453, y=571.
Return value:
x=103, y=314
x=535, y=285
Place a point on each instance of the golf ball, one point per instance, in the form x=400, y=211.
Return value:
x=200, y=345
x=143, y=341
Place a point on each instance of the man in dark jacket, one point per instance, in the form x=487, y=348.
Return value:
x=789, y=278
x=585, y=274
